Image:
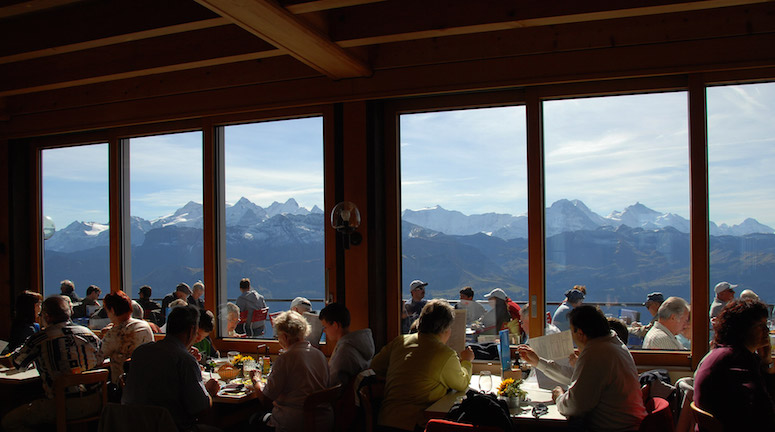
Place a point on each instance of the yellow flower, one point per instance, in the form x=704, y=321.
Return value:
x=511, y=388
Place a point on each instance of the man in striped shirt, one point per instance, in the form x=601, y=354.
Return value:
x=61, y=348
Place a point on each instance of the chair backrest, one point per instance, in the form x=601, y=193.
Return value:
x=313, y=402
x=437, y=425
x=682, y=412
x=132, y=418
x=371, y=394
x=705, y=420
x=61, y=384
x=659, y=417
x=258, y=315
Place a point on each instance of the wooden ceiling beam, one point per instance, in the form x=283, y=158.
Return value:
x=202, y=48
x=745, y=20
x=322, y=5
x=659, y=60
x=401, y=20
x=30, y=6
x=94, y=21
x=274, y=24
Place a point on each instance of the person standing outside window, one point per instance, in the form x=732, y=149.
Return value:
x=251, y=301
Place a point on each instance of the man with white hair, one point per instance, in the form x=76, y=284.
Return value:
x=672, y=319
x=725, y=292
x=301, y=305
x=195, y=299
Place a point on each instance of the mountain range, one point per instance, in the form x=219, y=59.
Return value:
x=621, y=257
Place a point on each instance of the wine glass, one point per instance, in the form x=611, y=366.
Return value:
x=485, y=381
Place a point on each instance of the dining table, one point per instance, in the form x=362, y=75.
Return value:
x=521, y=417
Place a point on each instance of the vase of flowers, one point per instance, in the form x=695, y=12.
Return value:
x=239, y=361
x=511, y=391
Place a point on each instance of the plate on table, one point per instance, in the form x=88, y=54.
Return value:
x=234, y=390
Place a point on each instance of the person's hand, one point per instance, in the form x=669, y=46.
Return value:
x=467, y=354
x=195, y=352
x=212, y=387
x=572, y=359
x=526, y=353
x=557, y=392
x=255, y=378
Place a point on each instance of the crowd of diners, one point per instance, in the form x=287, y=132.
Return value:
x=735, y=381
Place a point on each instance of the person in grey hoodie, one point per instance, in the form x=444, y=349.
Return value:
x=354, y=349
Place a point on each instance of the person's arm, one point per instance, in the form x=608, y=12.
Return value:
x=195, y=394
x=561, y=374
x=456, y=373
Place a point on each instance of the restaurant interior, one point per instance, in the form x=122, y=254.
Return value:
x=76, y=72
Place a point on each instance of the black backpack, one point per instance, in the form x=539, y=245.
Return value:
x=481, y=409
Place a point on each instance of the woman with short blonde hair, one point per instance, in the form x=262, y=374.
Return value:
x=299, y=372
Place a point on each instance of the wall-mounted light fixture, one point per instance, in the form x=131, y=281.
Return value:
x=345, y=219
x=48, y=227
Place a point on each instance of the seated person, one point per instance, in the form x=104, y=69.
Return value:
x=195, y=299
x=498, y=317
x=61, y=348
x=123, y=334
x=24, y=323
x=89, y=304
x=474, y=310
x=604, y=387
x=301, y=305
x=420, y=368
x=573, y=298
x=151, y=309
x=175, y=304
x=653, y=302
x=301, y=371
x=67, y=287
x=230, y=312
x=182, y=291
x=165, y=374
x=736, y=380
x=672, y=319
x=203, y=344
x=620, y=328
x=354, y=349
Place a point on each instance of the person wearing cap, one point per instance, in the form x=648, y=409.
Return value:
x=573, y=298
x=672, y=319
x=182, y=291
x=474, y=310
x=301, y=305
x=725, y=292
x=500, y=302
x=414, y=307
x=250, y=300
x=652, y=303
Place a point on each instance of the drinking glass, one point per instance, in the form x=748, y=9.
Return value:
x=485, y=381
x=247, y=367
x=232, y=355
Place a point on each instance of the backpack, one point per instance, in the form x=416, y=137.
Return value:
x=481, y=409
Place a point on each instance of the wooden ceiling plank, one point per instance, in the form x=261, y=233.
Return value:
x=94, y=20
x=274, y=24
x=113, y=40
x=401, y=20
x=31, y=6
x=321, y=5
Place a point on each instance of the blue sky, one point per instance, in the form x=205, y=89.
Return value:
x=608, y=152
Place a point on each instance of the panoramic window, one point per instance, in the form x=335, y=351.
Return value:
x=464, y=222
x=166, y=220
x=75, y=227
x=274, y=224
x=741, y=184
x=617, y=196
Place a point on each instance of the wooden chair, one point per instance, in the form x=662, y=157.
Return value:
x=705, y=420
x=86, y=378
x=659, y=417
x=313, y=403
x=371, y=395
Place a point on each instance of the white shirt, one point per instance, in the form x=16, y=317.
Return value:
x=659, y=337
x=301, y=371
x=604, y=387
x=474, y=310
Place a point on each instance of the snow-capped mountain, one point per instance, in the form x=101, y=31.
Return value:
x=565, y=216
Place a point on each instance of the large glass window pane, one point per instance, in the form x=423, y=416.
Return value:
x=464, y=204
x=617, y=190
x=741, y=186
x=166, y=208
x=274, y=220
x=75, y=201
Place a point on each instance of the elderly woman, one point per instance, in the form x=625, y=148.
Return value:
x=736, y=380
x=299, y=372
x=123, y=334
x=420, y=368
x=230, y=313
